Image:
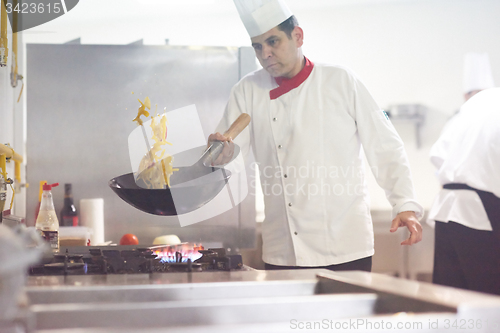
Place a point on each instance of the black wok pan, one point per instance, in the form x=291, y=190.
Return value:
x=190, y=187
x=176, y=200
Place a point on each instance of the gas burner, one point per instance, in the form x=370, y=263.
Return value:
x=58, y=257
x=127, y=260
x=185, y=267
x=216, y=259
x=70, y=268
x=177, y=253
x=62, y=264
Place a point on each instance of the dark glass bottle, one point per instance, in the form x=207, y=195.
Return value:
x=69, y=214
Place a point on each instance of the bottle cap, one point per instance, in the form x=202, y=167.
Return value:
x=47, y=187
x=42, y=182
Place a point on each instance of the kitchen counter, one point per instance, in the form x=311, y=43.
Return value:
x=245, y=301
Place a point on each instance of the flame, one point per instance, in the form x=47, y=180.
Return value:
x=167, y=254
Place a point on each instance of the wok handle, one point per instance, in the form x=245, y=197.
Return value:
x=238, y=125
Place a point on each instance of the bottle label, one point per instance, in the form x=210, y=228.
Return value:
x=71, y=221
x=52, y=237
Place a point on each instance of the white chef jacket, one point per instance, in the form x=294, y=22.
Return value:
x=307, y=145
x=468, y=152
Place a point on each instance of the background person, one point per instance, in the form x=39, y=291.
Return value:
x=467, y=210
x=477, y=74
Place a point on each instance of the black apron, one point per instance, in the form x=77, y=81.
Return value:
x=490, y=202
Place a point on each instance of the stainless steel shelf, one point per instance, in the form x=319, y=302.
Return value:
x=253, y=301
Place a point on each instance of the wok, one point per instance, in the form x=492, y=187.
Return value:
x=190, y=187
x=180, y=198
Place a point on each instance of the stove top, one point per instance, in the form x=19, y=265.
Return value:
x=130, y=260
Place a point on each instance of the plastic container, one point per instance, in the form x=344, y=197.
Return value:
x=74, y=236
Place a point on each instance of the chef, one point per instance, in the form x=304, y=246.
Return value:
x=467, y=210
x=477, y=74
x=309, y=122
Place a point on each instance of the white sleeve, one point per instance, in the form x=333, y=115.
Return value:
x=385, y=152
x=234, y=108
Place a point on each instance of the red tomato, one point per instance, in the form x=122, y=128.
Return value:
x=129, y=239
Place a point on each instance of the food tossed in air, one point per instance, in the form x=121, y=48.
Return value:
x=156, y=166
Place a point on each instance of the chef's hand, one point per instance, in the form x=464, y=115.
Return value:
x=227, y=153
x=408, y=219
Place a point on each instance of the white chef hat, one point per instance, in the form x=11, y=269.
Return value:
x=477, y=72
x=260, y=16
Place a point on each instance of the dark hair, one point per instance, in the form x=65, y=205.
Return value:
x=288, y=25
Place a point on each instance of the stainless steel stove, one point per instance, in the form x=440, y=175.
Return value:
x=251, y=301
x=135, y=260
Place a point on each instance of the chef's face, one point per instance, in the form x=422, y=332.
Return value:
x=468, y=95
x=279, y=54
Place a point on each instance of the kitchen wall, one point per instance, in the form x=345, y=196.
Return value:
x=92, y=119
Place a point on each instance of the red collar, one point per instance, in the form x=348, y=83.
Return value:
x=285, y=85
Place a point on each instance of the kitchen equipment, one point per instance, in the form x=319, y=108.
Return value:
x=127, y=259
x=176, y=200
x=10, y=220
x=255, y=301
x=3, y=182
x=3, y=196
x=190, y=187
x=211, y=154
x=409, y=113
x=74, y=236
x=6, y=155
x=4, y=42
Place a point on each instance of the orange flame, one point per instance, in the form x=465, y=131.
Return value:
x=187, y=250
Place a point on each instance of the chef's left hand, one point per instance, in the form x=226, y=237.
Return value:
x=408, y=219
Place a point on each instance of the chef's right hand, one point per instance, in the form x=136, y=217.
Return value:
x=227, y=153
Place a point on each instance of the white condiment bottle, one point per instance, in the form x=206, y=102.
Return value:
x=46, y=222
